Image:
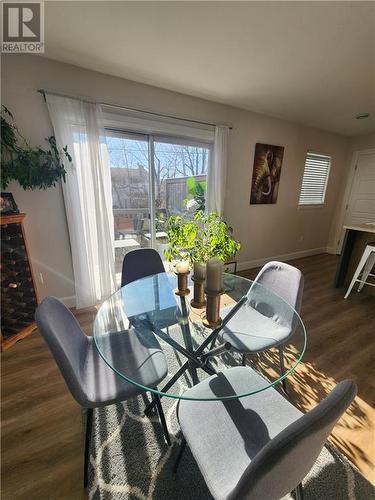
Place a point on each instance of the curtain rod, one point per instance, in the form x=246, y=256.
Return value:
x=125, y=108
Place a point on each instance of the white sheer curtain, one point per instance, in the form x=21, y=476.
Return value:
x=87, y=196
x=217, y=171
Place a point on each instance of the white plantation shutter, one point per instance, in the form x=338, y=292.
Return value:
x=315, y=178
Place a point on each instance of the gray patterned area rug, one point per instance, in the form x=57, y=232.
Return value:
x=131, y=461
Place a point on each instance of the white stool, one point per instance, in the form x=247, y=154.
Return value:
x=366, y=263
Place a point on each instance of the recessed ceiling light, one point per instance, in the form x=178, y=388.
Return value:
x=362, y=116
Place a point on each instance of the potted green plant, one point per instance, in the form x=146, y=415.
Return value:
x=196, y=190
x=201, y=238
x=32, y=167
x=182, y=234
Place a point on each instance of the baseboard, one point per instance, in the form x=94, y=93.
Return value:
x=69, y=301
x=332, y=250
x=249, y=264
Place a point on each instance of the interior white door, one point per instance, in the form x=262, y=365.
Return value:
x=361, y=203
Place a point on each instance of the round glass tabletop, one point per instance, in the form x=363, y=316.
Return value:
x=156, y=340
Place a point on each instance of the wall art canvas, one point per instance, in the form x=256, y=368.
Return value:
x=268, y=161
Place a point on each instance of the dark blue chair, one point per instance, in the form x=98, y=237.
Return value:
x=139, y=264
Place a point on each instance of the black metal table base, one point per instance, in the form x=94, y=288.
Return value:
x=195, y=358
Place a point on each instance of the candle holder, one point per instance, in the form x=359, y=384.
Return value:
x=198, y=301
x=212, y=318
x=182, y=288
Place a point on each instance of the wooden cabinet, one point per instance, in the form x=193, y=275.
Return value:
x=18, y=292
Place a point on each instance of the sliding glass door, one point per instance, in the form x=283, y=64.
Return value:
x=153, y=178
x=130, y=174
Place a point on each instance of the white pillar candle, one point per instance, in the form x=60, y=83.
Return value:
x=214, y=281
x=199, y=270
x=182, y=267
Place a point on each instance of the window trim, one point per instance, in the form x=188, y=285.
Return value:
x=303, y=206
x=167, y=139
x=143, y=123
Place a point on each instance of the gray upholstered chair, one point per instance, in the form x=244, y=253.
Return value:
x=91, y=382
x=256, y=447
x=139, y=264
x=276, y=326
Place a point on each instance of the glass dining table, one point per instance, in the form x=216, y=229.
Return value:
x=193, y=352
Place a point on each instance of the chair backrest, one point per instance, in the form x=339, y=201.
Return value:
x=67, y=342
x=283, y=279
x=285, y=460
x=140, y=263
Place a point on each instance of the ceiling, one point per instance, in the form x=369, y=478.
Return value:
x=308, y=62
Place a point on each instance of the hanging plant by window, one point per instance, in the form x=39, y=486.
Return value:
x=33, y=168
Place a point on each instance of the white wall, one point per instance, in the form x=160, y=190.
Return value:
x=265, y=231
x=354, y=144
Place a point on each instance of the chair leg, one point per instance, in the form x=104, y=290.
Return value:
x=244, y=359
x=282, y=368
x=89, y=414
x=179, y=456
x=163, y=422
x=367, y=270
x=360, y=266
x=299, y=492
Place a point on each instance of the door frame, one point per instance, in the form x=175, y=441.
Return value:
x=151, y=170
x=339, y=233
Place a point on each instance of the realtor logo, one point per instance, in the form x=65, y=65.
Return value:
x=23, y=27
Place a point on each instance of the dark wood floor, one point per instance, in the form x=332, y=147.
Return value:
x=41, y=424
